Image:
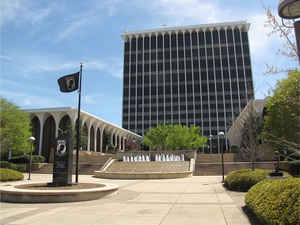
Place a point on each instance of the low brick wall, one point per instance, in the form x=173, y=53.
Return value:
x=214, y=158
x=210, y=169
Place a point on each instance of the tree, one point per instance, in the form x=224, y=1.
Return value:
x=15, y=129
x=174, y=138
x=156, y=137
x=282, y=120
x=286, y=33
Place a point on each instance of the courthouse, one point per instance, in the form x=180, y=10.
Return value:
x=191, y=75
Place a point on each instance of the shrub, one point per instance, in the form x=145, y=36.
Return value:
x=24, y=159
x=10, y=175
x=243, y=180
x=21, y=167
x=276, y=202
x=8, y=165
x=294, y=167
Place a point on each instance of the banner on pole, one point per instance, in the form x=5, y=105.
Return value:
x=69, y=83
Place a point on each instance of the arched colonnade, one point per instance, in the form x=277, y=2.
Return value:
x=97, y=134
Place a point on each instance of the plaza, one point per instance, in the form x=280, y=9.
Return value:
x=194, y=200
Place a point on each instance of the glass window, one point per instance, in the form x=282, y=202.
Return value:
x=153, y=42
x=187, y=39
x=166, y=41
x=133, y=44
x=180, y=40
x=173, y=40
x=237, y=37
x=208, y=38
x=194, y=38
x=215, y=37
x=229, y=36
x=146, y=43
x=159, y=41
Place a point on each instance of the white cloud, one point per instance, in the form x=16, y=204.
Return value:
x=72, y=27
x=20, y=11
x=25, y=100
x=93, y=98
x=5, y=58
x=110, y=66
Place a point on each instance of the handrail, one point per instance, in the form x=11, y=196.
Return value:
x=106, y=163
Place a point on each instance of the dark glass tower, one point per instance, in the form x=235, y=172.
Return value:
x=198, y=75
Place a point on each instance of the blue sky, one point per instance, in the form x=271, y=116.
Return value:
x=42, y=40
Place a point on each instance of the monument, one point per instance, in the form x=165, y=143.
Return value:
x=63, y=160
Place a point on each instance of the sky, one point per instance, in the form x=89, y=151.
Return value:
x=43, y=40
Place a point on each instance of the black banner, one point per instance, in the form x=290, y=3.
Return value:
x=69, y=82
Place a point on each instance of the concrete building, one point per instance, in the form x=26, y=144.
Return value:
x=48, y=122
x=192, y=75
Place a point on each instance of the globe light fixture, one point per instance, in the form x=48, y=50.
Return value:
x=289, y=9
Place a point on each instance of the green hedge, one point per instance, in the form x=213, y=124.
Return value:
x=276, y=202
x=9, y=165
x=10, y=175
x=24, y=159
x=243, y=180
x=294, y=167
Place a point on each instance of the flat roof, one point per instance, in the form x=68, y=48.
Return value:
x=242, y=23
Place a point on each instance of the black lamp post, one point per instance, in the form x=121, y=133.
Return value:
x=221, y=136
x=31, y=139
x=210, y=140
x=290, y=9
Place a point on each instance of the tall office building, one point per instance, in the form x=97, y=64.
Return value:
x=187, y=75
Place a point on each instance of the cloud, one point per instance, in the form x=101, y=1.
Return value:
x=22, y=11
x=5, y=58
x=93, y=98
x=111, y=66
x=25, y=100
x=71, y=28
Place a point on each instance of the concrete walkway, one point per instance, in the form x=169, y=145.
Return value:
x=187, y=201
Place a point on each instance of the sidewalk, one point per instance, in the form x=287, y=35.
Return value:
x=197, y=200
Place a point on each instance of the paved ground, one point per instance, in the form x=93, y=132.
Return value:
x=187, y=201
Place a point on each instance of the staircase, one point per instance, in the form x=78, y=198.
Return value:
x=148, y=167
x=88, y=163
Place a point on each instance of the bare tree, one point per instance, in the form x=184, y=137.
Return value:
x=285, y=31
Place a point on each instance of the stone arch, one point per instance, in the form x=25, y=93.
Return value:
x=98, y=140
x=48, y=137
x=36, y=130
x=84, y=137
x=65, y=125
x=105, y=140
x=92, y=139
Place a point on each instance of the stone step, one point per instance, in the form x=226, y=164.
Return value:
x=210, y=169
x=143, y=167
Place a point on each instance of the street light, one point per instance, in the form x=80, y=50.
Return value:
x=210, y=140
x=290, y=9
x=31, y=139
x=221, y=136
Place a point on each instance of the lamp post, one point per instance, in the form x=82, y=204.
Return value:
x=210, y=140
x=221, y=136
x=31, y=139
x=290, y=9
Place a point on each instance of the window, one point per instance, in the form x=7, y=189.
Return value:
x=208, y=38
x=133, y=44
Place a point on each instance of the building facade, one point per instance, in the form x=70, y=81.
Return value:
x=192, y=75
